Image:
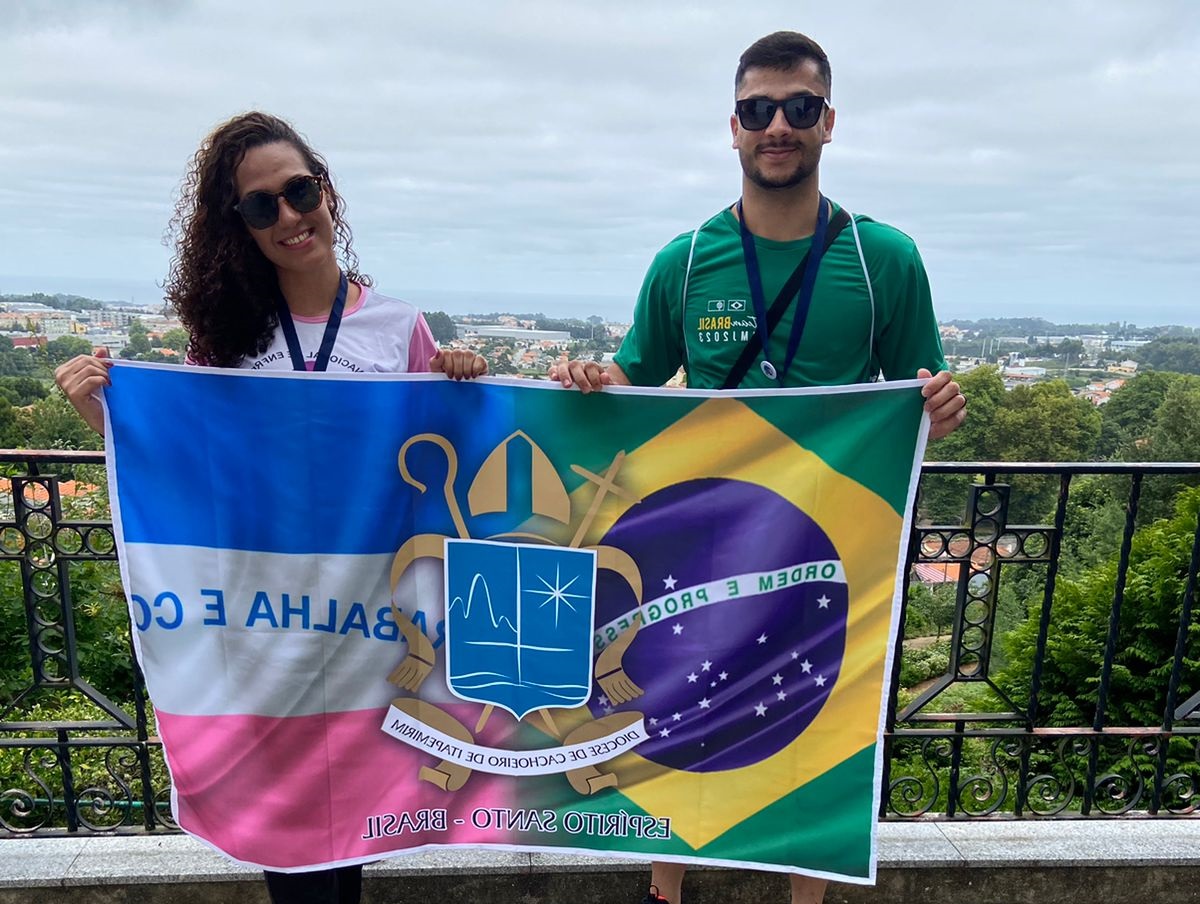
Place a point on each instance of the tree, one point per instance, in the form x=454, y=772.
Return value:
x=1158, y=573
x=53, y=424
x=1071, y=349
x=1174, y=437
x=976, y=439
x=577, y=328
x=1041, y=422
x=176, y=339
x=441, y=326
x=1045, y=422
x=11, y=434
x=1176, y=434
x=1129, y=415
x=931, y=610
x=15, y=361
x=139, y=342
x=63, y=349
x=22, y=391
x=1094, y=526
x=944, y=497
x=1181, y=355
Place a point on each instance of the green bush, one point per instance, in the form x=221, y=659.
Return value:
x=1157, y=578
x=917, y=665
x=107, y=779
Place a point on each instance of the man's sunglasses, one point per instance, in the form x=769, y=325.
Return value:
x=801, y=111
x=260, y=209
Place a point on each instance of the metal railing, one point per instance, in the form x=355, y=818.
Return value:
x=103, y=770
x=983, y=737
x=1012, y=758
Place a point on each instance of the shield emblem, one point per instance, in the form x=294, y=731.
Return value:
x=519, y=621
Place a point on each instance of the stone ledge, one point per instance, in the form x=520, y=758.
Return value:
x=1042, y=861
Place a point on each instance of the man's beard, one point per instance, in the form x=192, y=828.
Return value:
x=805, y=167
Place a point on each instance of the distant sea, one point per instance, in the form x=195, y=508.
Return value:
x=613, y=308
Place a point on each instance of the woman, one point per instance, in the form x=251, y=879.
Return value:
x=264, y=277
x=263, y=257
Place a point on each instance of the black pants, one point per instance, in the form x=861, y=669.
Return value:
x=326, y=886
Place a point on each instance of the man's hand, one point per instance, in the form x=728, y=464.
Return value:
x=458, y=364
x=944, y=401
x=587, y=375
x=79, y=379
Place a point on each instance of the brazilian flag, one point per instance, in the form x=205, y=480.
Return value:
x=762, y=704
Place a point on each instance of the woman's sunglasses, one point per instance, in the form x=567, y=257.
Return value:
x=801, y=111
x=260, y=209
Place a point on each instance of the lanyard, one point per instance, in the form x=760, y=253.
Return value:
x=332, y=325
x=803, y=298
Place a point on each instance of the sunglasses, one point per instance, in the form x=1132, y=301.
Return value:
x=801, y=111
x=260, y=209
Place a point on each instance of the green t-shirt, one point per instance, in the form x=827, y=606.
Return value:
x=843, y=341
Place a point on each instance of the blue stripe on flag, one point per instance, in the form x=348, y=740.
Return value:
x=287, y=471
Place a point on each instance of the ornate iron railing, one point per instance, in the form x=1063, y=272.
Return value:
x=958, y=745
x=102, y=771
x=1008, y=758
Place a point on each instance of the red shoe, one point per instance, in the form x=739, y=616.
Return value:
x=653, y=897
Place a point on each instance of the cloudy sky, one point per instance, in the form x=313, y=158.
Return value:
x=535, y=154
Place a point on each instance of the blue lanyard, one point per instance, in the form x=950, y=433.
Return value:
x=803, y=298
x=332, y=325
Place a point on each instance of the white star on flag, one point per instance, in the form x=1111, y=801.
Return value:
x=704, y=703
x=675, y=717
x=705, y=665
x=669, y=582
x=678, y=629
x=603, y=701
x=806, y=666
x=665, y=733
x=820, y=680
x=692, y=678
x=777, y=678
x=795, y=655
x=781, y=695
x=653, y=721
x=762, y=638
x=760, y=710
x=823, y=602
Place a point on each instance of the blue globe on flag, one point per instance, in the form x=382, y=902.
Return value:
x=731, y=682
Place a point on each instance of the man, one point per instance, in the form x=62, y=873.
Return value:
x=714, y=300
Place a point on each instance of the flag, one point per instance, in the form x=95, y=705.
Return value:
x=382, y=613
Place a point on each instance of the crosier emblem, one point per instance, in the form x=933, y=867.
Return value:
x=519, y=616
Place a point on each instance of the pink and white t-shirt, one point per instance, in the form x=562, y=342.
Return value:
x=378, y=334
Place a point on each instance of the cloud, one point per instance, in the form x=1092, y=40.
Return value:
x=1040, y=154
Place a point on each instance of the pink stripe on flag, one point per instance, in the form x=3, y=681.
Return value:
x=299, y=791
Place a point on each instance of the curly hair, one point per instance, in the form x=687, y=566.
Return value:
x=220, y=284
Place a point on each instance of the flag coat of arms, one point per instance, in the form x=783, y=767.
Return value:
x=382, y=613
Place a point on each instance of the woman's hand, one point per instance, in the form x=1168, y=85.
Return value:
x=458, y=364
x=80, y=379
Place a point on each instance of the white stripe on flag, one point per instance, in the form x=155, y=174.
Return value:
x=228, y=632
